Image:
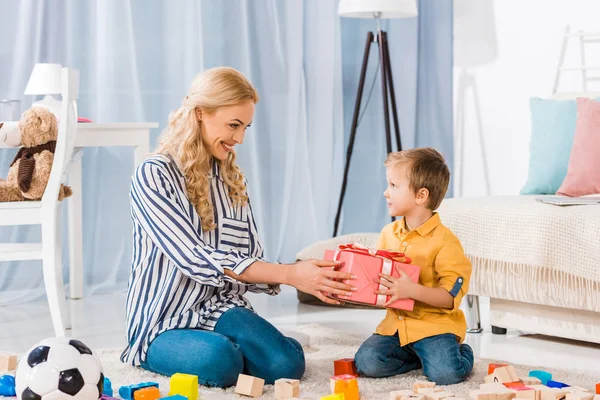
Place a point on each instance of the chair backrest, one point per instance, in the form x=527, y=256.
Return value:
x=67, y=130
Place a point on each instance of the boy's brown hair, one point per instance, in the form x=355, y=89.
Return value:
x=427, y=169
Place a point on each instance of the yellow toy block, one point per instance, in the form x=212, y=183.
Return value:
x=185, y=385
x=148, y=393
x=337, y=396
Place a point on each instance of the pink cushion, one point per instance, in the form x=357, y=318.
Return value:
x=583, y=174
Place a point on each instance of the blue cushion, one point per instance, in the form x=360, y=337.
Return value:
x=552, y=130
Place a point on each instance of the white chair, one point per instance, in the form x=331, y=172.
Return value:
x=47, y=212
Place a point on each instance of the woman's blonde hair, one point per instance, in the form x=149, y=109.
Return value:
x=210, y=90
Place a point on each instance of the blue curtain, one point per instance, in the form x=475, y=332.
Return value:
x=137, y=59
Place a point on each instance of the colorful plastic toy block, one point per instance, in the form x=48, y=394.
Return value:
x=347, y=385
x=175, y=397
x=249, y=385
x=541, y=375
x=8, y=362
x=337, y=396
x=108, y=390
x=492, y=367
x=185, y=385
x=7, y=386
x=127, y=392
x=149, y=393
x=287, y=389
x=555, y=384
x=105, y=397
x=597, y=388
x=344, y=366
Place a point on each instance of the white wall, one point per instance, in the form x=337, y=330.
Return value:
x=517, y=43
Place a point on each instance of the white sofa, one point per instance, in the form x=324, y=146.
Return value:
x=538, y=263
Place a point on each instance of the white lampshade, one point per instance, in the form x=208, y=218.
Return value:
x=45, y=79
x=384, y=8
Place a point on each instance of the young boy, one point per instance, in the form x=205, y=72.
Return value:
x=430, y=336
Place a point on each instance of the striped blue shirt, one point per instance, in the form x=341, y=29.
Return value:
x=177, y=275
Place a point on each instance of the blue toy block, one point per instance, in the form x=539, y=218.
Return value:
x=554, y=384
x=174, y=397
x=541, y=375
x=108, y=390
x=7, y=386
x=126, y=392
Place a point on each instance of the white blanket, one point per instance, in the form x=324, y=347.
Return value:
x=518, y=230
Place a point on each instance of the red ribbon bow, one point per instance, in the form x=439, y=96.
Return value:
x=358, y=248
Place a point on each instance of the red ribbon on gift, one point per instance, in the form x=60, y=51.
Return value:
x=360, y=249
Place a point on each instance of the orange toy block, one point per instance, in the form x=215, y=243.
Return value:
x=344, y=366
x=148, y=393
x=492, y=367
x=597, y=388
x=287, y=389
x=346, y=385
x=8, y=362
x=249, y=385
x=512, y=385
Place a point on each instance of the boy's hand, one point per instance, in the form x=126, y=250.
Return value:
x=399, y=288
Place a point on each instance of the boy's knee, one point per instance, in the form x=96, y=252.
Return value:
x=368, y=362
x=446, y=374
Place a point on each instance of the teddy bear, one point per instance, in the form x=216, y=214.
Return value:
x=30, y=170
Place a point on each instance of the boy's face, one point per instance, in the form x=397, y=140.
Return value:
x=400, y=198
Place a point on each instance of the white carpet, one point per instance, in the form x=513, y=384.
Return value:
x=324, y=346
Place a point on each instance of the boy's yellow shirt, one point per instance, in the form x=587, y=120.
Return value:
x=443, y=262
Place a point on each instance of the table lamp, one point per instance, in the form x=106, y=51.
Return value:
x=375, y=9
x=45, y=79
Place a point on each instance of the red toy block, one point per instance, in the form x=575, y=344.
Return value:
x=597, y=388
x=344, y=366
x=492, y=367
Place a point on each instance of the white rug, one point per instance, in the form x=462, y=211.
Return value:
x=324, y=346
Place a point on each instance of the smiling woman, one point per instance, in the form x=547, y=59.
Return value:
x=197, y=250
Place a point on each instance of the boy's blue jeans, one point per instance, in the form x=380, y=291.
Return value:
x=442, y=358
x=242, y=342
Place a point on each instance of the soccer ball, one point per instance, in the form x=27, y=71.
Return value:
x=59, y=369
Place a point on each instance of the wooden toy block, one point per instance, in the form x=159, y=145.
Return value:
x=286, y=389
x=401, y=394
x=505, y=374
x=428, y=390
x=339, y=396
x=597, y=397
x=128, y=392
x=492, y=387
x=541, y=375
x=530, y=380
x=344, y=366
x=422, y=384
x=492, y=367
x=438, y=395
x=249, y=385
x=346, y=385
x=505, y=394
x=580, y=396
x=525, y=392
x=8, y=362
x=149, y=393
x=185, y=385
x=575, y=389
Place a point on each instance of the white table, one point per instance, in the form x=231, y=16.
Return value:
x=136, y=135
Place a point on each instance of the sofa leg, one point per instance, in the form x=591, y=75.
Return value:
x=498, y=331
x=473, y=315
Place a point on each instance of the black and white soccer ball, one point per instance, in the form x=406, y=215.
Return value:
x=59, y=369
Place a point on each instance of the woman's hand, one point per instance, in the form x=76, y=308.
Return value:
x=316, y=277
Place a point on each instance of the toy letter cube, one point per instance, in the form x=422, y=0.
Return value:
x=344, y=366
x=367, y=268
x=286, y=389
x=249, y=385
x=149, y=393
x=8, y=362
x=506, y=374
x=185, y=385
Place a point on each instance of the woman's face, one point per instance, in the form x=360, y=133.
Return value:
x=226, y=127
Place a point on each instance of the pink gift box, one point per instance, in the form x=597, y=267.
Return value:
x=366, y=265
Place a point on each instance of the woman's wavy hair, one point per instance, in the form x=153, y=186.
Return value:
x=210, y=90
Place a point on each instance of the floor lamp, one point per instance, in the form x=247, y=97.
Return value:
x=375, y=9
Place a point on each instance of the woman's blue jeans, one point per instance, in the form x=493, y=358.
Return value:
x=242, y=342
